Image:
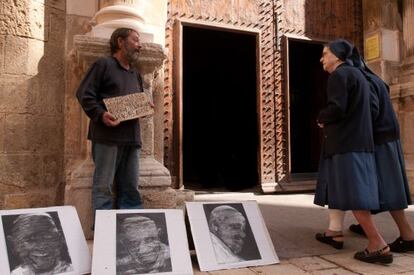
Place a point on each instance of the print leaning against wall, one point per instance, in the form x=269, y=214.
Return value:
x=237, y=235
x=230, y=233
x=36, y=243
x=144, y=241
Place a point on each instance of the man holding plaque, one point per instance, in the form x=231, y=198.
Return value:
x=115, y=144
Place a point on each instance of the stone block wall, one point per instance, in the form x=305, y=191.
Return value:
x=32, y=45
x=396, y=16
x=402, y=91
x=78, y=22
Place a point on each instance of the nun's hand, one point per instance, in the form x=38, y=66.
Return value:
x=320, y=125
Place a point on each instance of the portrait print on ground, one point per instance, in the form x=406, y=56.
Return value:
x=229, y=235
x=36, y=241
x=145, y=241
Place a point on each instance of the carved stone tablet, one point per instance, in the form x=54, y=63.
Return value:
x=129, y=106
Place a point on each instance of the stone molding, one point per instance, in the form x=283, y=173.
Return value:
x=146, y=17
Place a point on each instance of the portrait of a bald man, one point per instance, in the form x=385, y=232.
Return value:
x=230, y=233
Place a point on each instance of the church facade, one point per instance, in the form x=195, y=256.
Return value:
x=237, y=86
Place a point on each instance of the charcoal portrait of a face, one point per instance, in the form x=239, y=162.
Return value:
x=142, y=244
x=230, y=233
x=36, y=244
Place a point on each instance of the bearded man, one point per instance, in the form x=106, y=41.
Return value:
x=115, y=145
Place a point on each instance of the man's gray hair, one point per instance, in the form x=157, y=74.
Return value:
x=122, y=33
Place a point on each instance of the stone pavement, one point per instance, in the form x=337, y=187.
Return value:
x=292, y=221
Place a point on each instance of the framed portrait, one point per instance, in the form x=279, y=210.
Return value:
x=144, y=241
x=43, y=241
x=230, y=235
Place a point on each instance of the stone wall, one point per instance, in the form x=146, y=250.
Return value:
x=395, y=63
x=402, y=88
x=32, y=41
x=78, y=22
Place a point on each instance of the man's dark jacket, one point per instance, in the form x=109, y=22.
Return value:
x=107, y=78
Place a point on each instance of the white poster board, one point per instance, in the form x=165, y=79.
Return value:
x=230, y=235
x=43, y=240
x=140, y=242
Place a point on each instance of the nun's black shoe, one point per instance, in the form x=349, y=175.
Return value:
x=334, y=241
x=357, y=228
x=382, y=256
x=401, y=246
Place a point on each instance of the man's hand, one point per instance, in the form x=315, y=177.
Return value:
x=109, y=120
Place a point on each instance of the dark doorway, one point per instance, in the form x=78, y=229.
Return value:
x=307, y=96
x=220, y=133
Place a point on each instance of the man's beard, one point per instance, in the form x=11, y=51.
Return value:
x=131, y=54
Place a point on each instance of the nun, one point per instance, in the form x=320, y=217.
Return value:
x=347, y=177
x=394, y=193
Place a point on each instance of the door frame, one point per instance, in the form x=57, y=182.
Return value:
x=178, y=88
x=286, y=38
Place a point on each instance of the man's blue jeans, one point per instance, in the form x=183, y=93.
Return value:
x=119, y=165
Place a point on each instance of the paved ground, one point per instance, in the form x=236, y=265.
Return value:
x=293, y=220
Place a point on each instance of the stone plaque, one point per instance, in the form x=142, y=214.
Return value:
x=372, y=47
x=129, y=106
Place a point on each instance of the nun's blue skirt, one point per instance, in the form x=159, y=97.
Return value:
x=394, y=193
x=348, y=182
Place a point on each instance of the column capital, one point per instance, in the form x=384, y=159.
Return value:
x=148, y=18
x=151, y=58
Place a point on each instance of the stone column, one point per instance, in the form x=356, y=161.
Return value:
x=147, y=17
x=155, y=179
x=79, y=165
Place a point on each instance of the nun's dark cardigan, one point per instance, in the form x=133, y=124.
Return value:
x=386, y=127
x=347, y=118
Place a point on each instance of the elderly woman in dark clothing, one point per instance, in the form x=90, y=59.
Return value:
x=393, y=185
x=347, y=173
x=394, y=192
